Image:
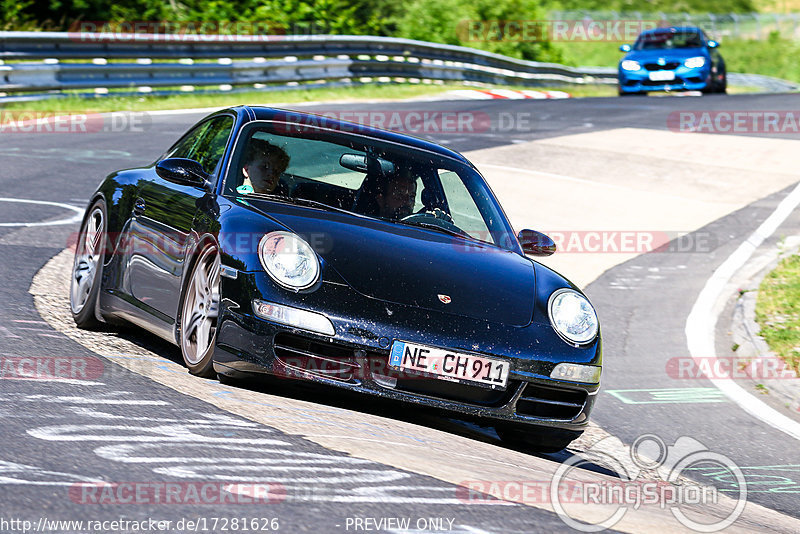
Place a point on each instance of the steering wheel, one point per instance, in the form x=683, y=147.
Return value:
x=438, y=213
x=436, y=217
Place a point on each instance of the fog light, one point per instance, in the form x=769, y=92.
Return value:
x=577, y=373
x=296, y=317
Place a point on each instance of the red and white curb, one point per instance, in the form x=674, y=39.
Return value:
x=506, y=94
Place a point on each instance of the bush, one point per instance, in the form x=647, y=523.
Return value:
x=467, y=23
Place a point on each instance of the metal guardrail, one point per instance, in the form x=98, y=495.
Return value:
x=43, y=64
x=49, y=61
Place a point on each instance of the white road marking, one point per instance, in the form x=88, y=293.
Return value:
x=701, y=322
x=14, y=473
x=7, y=333
x=84, y=400
x=72, y=381
x=75, y=218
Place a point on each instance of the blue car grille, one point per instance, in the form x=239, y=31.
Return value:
x=651, y=83
x=672, y=65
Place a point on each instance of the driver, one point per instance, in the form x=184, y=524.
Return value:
x=263, y=165
x=397, y=198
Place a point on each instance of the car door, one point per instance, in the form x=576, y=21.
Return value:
x=163, y=219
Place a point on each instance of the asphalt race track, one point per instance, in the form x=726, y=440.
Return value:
x=139, y=419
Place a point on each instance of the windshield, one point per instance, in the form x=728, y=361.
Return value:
x=366, y=177
x=666, y=40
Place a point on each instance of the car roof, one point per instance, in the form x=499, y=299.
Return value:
x=266, y=113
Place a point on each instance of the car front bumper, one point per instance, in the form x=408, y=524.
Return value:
x=685, y=79
x=356, y=356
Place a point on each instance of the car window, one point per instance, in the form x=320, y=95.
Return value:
x=666, y=40
x=206, y=143
x=463, y=209
x=366, y=176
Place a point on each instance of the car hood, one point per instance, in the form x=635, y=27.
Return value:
x=675, y=54
x=405, y=265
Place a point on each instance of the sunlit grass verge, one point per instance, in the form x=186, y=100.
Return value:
x=146, y=102
x=778, y=310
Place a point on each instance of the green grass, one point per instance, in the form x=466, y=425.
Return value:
x=778, y=310
x=221, y=100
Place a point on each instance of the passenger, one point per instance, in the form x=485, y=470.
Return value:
x=397, y=199
x=263, y=165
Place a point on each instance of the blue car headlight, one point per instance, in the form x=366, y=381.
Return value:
x=630, y=64
x=695, y=62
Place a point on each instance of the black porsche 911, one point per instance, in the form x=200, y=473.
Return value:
x=270, y=241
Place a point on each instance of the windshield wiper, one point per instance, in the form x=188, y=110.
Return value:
x=430, y=226
x=299, y=201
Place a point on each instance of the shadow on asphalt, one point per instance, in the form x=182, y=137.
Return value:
x=347, y=400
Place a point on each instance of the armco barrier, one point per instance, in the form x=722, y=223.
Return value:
x=47, y=61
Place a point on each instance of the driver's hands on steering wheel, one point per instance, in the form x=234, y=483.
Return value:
x=438, y=213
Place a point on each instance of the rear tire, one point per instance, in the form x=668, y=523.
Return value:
x=87, y=268
x=723, y=86
x=539, y=439
x=199, y=313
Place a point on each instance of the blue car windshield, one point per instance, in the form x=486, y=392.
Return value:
x=667, y=40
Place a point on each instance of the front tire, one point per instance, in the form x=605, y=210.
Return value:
x=87, y=268
x=199, y=313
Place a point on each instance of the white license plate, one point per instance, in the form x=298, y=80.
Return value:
x=449, y=365
x=662, y=75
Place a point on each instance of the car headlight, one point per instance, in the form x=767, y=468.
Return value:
x=289, y=260
x=630, y=64
x=695, y=62
x=572, y=316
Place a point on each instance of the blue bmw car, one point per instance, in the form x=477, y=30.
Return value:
x=672, y=59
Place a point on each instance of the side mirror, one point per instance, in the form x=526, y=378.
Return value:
x=625, y=48
x=713, y=44
x=536, y=243
x=183, y=171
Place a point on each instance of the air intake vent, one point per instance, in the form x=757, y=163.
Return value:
x=551, y=403
x=320, y=359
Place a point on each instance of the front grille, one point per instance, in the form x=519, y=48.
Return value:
x=652, y=83
x=551, y=403
x=672, y=65
x=321, y=359
x=443, y=389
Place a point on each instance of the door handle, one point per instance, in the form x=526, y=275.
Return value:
x=139, y=206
